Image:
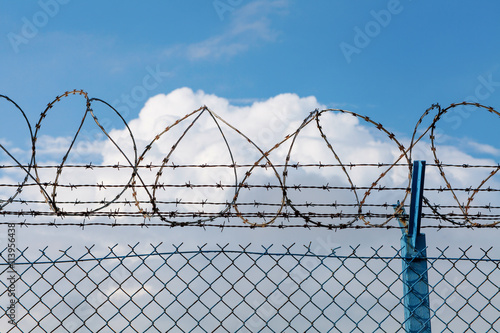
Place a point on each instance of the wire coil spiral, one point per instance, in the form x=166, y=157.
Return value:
x=145, y=193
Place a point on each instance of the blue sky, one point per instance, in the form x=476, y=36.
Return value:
x=262, y=65
x=389, y=60
x=421, y=54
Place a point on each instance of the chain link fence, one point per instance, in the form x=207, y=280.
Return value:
x=241, y=289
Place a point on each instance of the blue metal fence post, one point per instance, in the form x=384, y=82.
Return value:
x=413, y=250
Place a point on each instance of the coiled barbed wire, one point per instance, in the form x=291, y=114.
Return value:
x=286, y=209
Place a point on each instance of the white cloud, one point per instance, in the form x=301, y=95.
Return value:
x=484, y=148
x=249, y=26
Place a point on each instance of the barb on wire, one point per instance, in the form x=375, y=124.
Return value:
x=142, y=196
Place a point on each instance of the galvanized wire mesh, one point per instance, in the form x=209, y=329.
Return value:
x=241, y=289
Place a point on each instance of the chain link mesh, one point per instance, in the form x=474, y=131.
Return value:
x=243, y=289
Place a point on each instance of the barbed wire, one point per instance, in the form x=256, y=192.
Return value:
x=140, y=196
x=206, y=165
x=253, y=204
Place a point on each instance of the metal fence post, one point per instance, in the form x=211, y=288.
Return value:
x=413, y=250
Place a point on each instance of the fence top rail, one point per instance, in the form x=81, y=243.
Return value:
x=353, y=252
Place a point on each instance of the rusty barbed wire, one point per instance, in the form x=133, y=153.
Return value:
x=146, y=203
x=205, y=165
